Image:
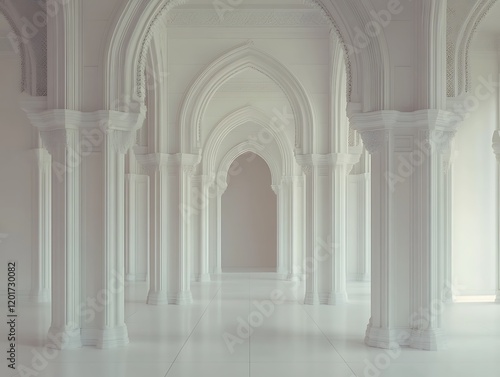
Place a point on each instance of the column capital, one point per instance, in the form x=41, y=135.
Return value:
x=118, y=127
x=376, y=128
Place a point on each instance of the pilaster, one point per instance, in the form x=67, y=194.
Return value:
x=42, y=238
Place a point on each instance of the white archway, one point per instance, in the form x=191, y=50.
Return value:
x=286, y=181
x=226, y=67
x=129, y=38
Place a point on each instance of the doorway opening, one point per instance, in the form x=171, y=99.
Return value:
x=249, y=217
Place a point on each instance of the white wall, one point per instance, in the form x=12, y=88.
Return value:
x=474, y=180
x=16, y=177
x=249, y=217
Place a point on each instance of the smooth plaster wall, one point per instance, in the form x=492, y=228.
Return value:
x=249, y=217
x=475, y=180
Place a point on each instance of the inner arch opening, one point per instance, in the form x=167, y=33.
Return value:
x=249, y=217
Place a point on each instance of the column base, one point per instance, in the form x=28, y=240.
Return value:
x=339, y=298
x=113, y=337
x=130, y=277
x=157, y=298
x=386, y=338
x=181, y=298
x=497, y=299
x=311, y=298
x=64, y=338
x=428, y=340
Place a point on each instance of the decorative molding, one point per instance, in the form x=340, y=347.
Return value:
x=241, y=17
x=230, y=64
x=231, y=123
x=463, y=19
x=170, y=5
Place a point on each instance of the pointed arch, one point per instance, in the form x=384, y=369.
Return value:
x=130, y=34
x=33, y=61
x=237, y=119
x=227, y=66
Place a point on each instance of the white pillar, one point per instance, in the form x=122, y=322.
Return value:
x=130, y=226
x=63, y=144
x=293, y=226
x=41, y=261
x=180, y=171
x=406, y=152
x=281, y=227
x=342, y=164
x=445, y=217
x=221, y=188
x=496, y=149
x=359, y=251
x=119, y=136
x=206, y=184
x=157, y=167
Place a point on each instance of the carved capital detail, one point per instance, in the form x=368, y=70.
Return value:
x=56, y=141
x=375, y=140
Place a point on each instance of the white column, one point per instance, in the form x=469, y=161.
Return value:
x=157, y=167
x=318, y=227
x=221, y=188
x=288, y=221
x=496, y=149
x=359, y=251
x=130, y=227
x=180, y=171
x=282, y=234
x=63, y=145
x=341, y=166
x=41, y=261
x=406, y=153
x=206, y=184
x=119, y=136
x=445, y=217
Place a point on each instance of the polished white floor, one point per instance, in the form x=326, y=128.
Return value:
x=295, y=340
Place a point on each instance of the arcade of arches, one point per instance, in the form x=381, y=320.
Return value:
x=175, y=143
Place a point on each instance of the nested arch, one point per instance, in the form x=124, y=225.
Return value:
x=235, y=120
x=246, y=147
x=229, y=65
x=130, y=35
